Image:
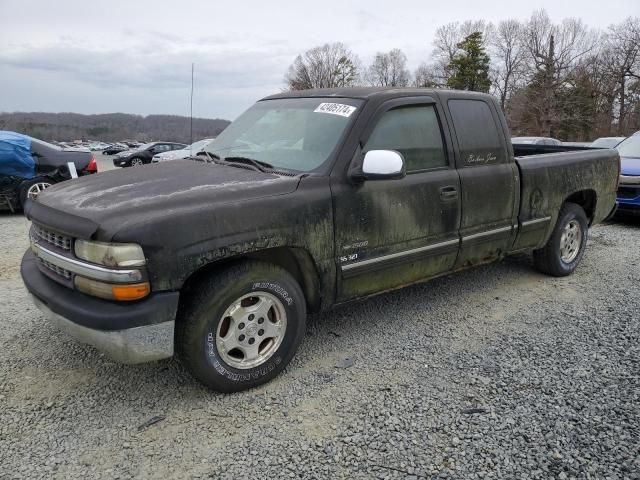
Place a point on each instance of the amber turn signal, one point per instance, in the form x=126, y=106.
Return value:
x=109, y=291
x=130, y=292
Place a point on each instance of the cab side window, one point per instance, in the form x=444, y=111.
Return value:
x=413, y=131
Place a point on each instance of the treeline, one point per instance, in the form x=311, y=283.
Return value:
x=559, y=79
x=110, y=127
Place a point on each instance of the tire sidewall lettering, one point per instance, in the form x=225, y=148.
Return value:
x=275, y=288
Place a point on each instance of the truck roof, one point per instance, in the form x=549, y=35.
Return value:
x=370, y=92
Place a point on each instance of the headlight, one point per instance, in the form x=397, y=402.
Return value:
x=110, y=254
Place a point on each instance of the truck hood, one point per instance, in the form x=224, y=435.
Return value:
x=118, y=198
x=630, y=166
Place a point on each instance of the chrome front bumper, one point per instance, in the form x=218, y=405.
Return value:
x=133, y=345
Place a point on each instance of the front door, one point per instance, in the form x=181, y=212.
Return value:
x=390, y=233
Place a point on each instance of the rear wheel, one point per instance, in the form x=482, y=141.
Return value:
x=564, y=250
x=30, y=189
x=242, y=326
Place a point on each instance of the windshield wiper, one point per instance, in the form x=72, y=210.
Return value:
x=211, y=157
x=259, y=165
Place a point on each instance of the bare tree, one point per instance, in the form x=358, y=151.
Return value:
x=553, y=51
x=621, y=61
x=426, y=76
x=507, y=50
x=389, y=69
x=328, y=66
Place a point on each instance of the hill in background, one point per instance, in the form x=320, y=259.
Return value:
x=110, y=127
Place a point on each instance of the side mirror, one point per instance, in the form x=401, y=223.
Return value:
x=383, y=165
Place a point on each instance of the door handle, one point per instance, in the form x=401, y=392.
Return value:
x=448, y=193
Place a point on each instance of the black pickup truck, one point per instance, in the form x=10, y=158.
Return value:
x=308, y=200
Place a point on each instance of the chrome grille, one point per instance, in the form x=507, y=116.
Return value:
x=56, y=269
x=51, y=237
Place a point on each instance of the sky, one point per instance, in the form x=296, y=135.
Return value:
x=135, y=56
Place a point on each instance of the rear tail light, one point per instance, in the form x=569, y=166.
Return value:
x=92, y=167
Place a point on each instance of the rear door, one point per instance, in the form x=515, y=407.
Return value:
x=488, y=180
x=391, y=233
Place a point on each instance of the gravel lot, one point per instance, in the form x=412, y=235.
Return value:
x=497, y=372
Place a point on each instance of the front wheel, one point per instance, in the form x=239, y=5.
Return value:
x=136, y=162
x=242, y=326
x=564, y=250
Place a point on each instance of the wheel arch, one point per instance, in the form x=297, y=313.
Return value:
x=298, y=262
x=586, y=199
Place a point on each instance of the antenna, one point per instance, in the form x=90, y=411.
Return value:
x=191, y=114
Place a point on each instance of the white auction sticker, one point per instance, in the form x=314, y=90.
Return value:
x=336, y=109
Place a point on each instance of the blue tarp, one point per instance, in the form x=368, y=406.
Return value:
x=15, y=155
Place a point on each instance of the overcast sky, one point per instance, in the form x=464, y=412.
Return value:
x=135, y=56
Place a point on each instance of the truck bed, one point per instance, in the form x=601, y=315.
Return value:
x=548, y=180
x=526, y=149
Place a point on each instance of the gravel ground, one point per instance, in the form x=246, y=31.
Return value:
x=497, y=372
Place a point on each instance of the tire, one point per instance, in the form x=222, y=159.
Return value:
x=565, y=248
x=206, y=330
x=30, y=188
x=136, y=162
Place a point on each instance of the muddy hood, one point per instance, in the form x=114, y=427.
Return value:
x=111, y=200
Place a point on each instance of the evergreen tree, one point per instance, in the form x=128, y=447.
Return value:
x=469, y=69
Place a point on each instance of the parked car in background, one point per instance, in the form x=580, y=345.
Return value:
x=629, y=187
x=192, y=149
x=536, y=141
x=576, y=144
x=97, y=146
x=115, y=148
x=606, y=142
x=29, y=165
x=144, y=154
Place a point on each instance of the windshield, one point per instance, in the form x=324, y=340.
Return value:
x=296, y=134
x=630, y=147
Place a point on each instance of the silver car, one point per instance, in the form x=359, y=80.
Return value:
x=189, y=151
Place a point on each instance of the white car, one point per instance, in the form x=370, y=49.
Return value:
x=192, y=149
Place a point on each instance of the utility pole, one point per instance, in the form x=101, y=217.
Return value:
x=191, y=113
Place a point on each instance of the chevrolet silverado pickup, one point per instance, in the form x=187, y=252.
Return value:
x=308, y=200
